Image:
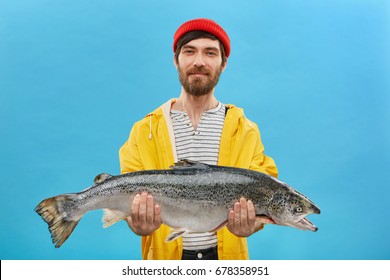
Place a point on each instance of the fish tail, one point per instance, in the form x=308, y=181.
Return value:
x=52, y=212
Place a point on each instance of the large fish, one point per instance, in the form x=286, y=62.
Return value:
x=193, y=197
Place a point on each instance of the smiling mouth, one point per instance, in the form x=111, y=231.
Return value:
x=198, y=74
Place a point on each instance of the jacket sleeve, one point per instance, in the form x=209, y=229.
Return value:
x=129, y=157
x=261, y=162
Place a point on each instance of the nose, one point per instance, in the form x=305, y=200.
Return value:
x=198, y=60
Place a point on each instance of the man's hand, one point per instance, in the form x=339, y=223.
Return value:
x=145, y=216
x=242, y=220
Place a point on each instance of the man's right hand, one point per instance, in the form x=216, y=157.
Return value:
x=145, y=216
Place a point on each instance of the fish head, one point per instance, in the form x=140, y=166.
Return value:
x=290, y=208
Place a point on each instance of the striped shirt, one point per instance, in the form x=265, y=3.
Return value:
x=201, y=144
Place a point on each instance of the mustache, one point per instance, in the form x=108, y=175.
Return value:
x=197, y=70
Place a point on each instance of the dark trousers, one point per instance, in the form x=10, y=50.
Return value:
x=207, y=254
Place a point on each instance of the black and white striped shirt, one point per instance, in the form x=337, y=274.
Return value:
x=201, y=144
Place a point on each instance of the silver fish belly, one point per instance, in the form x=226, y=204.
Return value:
x=193, y=197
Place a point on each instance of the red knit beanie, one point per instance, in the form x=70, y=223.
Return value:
x=205, y=25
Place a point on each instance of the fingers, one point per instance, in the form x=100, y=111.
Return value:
x=242, y=218
x=149, y=209
x=145, y=215
x=157, y=215
x=230, y=223
x=142, y=209
x=237, y=215
x=251, y=214
x=135, y=209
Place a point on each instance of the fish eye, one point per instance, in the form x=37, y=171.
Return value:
x=298, y=209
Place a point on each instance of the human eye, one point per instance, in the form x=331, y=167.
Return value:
x=188, y=51
x=211, y=53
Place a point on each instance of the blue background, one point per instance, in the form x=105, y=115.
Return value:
x=75, y=76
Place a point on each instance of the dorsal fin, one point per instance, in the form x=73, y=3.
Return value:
x=101, y=178
x=186, y=163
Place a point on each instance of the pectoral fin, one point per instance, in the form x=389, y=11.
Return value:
x=219, y=227
x=175, y=234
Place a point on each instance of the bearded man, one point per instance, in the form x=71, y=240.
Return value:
x=198, y=127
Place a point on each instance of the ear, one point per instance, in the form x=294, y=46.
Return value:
x=223, y=66
x=174, y=61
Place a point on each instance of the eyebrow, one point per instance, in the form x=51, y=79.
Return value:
x=188, y=46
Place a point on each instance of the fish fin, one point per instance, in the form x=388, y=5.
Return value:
x=175, y=234
x=186, y=163
x=111, y=217
x=219, y=227
x=51, y=212
x=101, y=178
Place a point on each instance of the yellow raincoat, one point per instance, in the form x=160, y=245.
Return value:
x=151, y=146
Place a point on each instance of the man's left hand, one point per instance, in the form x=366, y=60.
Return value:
x=242, y=220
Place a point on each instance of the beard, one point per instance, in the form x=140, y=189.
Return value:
x=198, y=86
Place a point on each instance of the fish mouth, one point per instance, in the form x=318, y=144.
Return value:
x=305, y=224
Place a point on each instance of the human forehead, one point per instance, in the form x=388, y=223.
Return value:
x=202, y=43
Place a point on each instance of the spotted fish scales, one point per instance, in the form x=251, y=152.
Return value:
x=193, y=197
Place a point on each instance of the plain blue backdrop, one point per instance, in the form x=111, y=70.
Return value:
x=314, y=75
